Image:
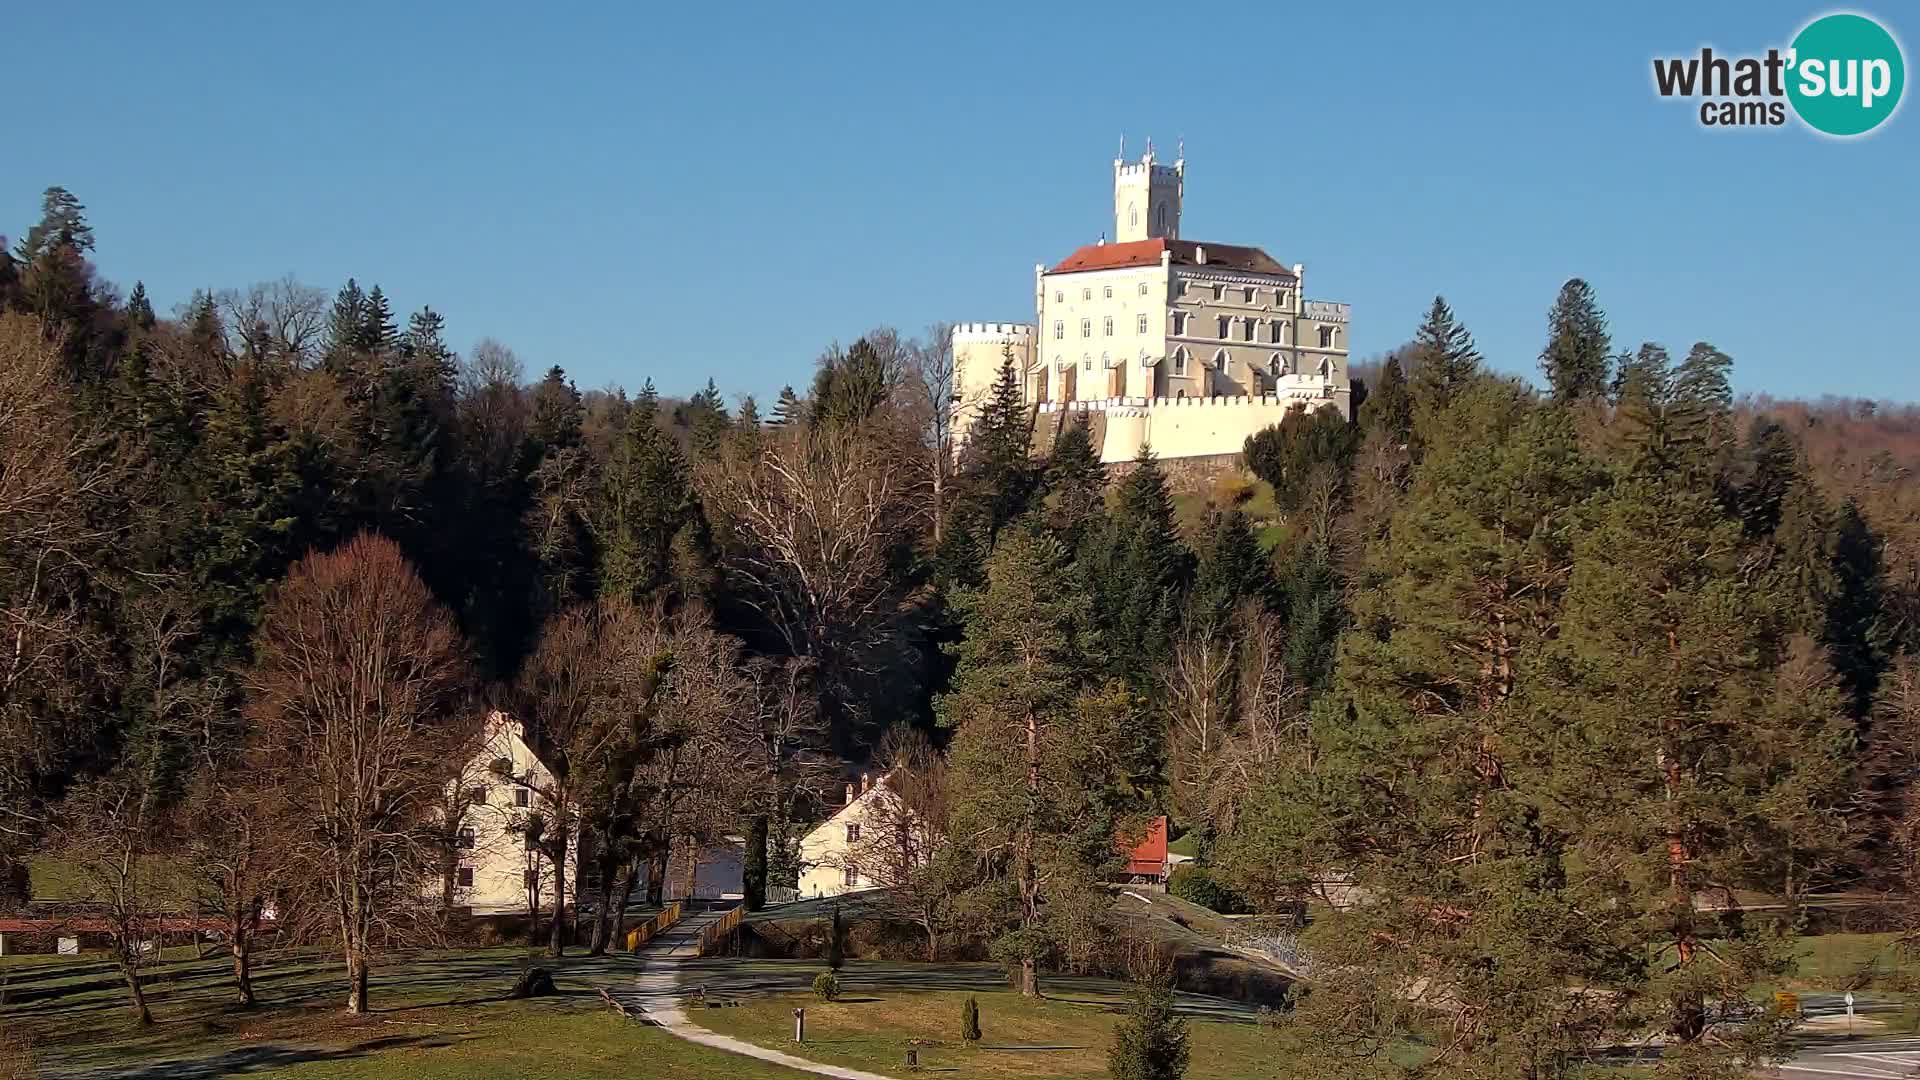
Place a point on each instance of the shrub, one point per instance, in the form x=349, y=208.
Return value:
x=970, y=1020
x=826, y=986
x=836, y=942
x=1198, y=885
x=533, y=982
x=1151, y=1043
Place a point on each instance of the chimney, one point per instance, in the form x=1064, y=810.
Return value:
x=866, y=781
x=849, y=794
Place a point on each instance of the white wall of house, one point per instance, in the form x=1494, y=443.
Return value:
x=827, y=865
x=493, y=861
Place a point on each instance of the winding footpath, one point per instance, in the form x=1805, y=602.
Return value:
x=657, y=993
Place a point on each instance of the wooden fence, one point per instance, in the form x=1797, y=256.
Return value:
x=638, y=937
x=715, y=934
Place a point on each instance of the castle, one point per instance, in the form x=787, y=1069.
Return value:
x=1185, y=346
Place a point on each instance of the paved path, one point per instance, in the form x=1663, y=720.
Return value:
x=1855, y=1059
x=657, y=993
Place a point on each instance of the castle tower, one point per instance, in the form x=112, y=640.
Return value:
x=1146, y=198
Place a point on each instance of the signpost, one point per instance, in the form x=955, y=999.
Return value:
x=1849, y=1000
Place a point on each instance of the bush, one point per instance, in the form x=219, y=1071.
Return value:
x=533, y=982
x=970, y=1020
x=826, y=986
x=1198, y=885
x=1151, y=1043
x=836, y=941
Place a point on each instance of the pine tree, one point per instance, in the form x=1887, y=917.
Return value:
x=377, y=332
x=1389, y=405
x=1075, y=483
x=1232, y=569
x=139, y=308
x=647, y=502
x=1140, y=573
x=787, y=409
x=345, y=325
x=1444, y=359
x=1304, y=454
x=1151, y=1043
x=1768, y=463
x=1855, y=624
x=1576, y=358
x=997, y=468
x=557, y=414
x=849, y=388
x=1034, y=753
x=707, y=421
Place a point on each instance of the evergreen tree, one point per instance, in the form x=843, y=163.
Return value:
x=1767, y=464
x=139, y=309
x=557, y=414
x=707, y=421
x=849, y=388
x=647, y=501
x=998, y=470
x=1855, y=625
x=1389, y=406
x=1038, y=782
x=1444, y=359
x=1140, y=573
x=1575, y=360
x=1075, y=483
x=1305, y=454
x=787, y=409
x=378, y=333
x=1674, y=419
x=1316, y=613
x=1232, y=569
x=1151, y=1043
x=346, y=324
x=56, y=284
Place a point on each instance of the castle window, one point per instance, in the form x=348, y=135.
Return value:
x=1058, y=296
x=1180, y=361
x=1279, y=331
x=1224, y=361
x=1133, y=214
x=1280, y=298
x=1160, y=218
x=1250, y=294
x=1086, y=294
x=1277, y=366
x=1059, y=329
x=1326, y=337
x=1106, y=360
x=1246, y=329
x=1086, y=327
x=1326, y=368
x=1109, y=293
x=1143, y=288
x=1226, y=328
x=1179, y=324
x=1219, y=293
x=1086, y=361
x=1109, y=326
x=1142, y=327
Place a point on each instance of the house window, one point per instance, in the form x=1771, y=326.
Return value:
x=1226, y=328
x=464, y=839
x=478, y=796
x=1326, y=337
x=1059, y=329
x=1086, y=327
x=853, y=876
x=1109, y=326
x=853, y=833
x=1141, y=328
x=1109, y=293
x=463, y=877
x=522, y=797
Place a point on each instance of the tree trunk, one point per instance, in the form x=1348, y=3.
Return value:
x=356, y=981
x=603, y=914
x=933, y=942
x=1029, y=978
x=754, y=874
x=557, y=932
x=242, y=938
x=657, y=874
x=130, y=971
x=1025, y=872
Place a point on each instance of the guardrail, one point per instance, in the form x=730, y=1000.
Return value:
x=638, y=937
x=715, y=933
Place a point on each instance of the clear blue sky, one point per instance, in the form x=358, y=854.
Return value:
x=615, y=187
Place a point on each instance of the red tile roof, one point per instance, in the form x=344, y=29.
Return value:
x=1184, y=252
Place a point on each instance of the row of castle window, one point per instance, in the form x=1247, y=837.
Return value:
x=1060, y=295
x=1276, y=329
x=1246, y=294
x=1086, y=327
x=1277, y=367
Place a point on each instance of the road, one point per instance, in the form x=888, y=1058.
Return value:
x=1860, y=1059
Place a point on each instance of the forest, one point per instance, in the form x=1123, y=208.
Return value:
x=1536, y=685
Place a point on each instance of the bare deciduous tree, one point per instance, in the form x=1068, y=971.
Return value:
x=933, y=388
x=279, y=320
x=361, y=697
x=110, y=832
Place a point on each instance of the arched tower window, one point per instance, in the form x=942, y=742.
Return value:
x=1133, y=214
x=1160, y=219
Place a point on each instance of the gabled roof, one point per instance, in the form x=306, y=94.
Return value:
x=1182, y=252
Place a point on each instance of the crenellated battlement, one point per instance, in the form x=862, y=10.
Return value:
x=985, y=331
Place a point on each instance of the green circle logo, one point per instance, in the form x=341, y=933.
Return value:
x=1846, y=74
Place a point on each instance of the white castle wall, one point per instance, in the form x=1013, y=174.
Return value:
x=1197, y=427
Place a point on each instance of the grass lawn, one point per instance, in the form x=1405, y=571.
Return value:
x=1850, y=961
x=436, y=1014
x=872, y=1028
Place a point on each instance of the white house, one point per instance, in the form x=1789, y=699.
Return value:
x=829, y=854
x=495, y=872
